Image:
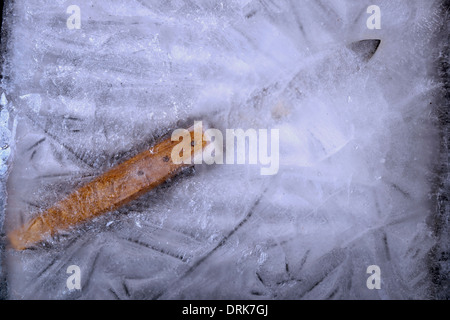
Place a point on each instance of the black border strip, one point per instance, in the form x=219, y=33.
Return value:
x=439, y=254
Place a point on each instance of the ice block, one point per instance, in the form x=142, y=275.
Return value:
x=114, y=188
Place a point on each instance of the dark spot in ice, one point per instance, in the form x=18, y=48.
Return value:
x=403, y=192
x=36, y=144
x=250, y=14
x=140, y=173
x=125, y=289
x=332, y=294
x=166, y=159
x=365, y=48
x=72, y=118
x=165, y=252
x=259, y=278
x=386, y=246
x=116, y=296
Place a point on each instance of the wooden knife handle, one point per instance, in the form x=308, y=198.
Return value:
x=114, y=188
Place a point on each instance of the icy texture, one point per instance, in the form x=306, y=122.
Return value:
x=5, y=151
x=358, y=146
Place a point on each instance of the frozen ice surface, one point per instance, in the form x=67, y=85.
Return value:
x=360, y=142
